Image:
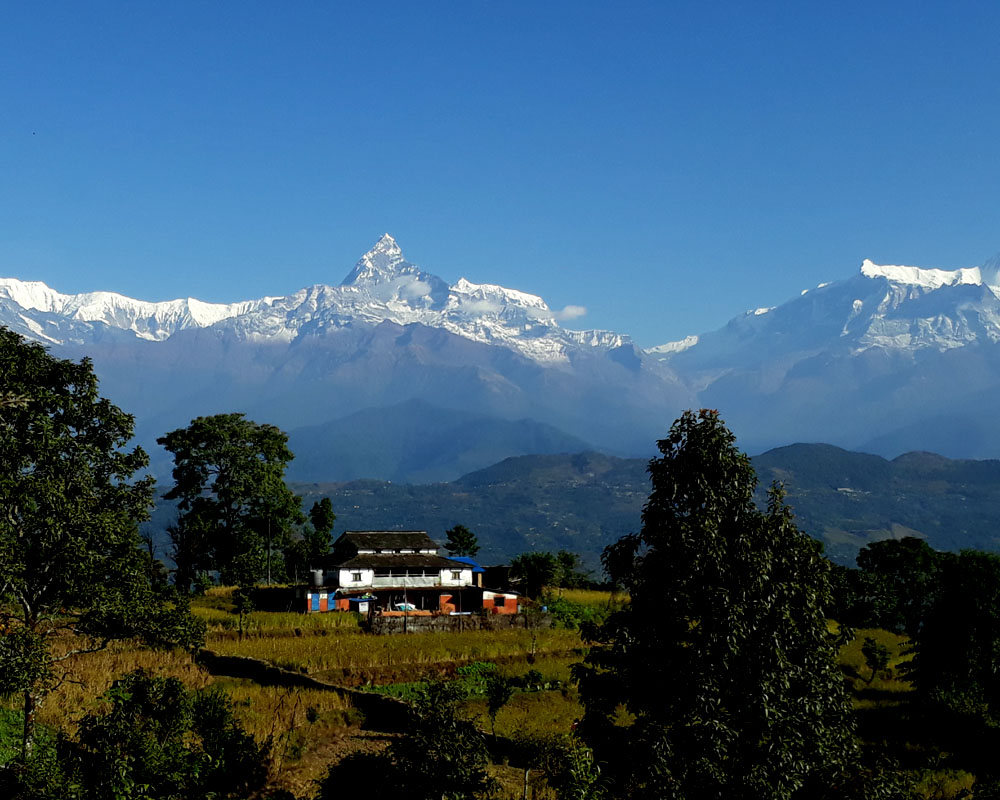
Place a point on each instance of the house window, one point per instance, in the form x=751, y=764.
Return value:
x=356, y=577
x=456, y=574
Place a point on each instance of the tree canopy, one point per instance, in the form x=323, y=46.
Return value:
x=719, y=679
x=154, y=739
x=229, y=483
x=70, y=557
x=461, y=542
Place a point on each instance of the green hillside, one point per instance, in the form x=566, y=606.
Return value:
x=584, y=501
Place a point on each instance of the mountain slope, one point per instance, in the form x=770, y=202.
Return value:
x=414, y=442
x=875, y=360
x=389, y=333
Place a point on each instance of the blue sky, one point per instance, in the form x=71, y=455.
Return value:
x=665, y=165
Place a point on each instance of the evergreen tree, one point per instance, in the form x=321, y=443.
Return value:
x=719, y=679
x=461, y=542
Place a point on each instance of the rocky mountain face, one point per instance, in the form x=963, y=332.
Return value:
x=437, y=379
x=889, y=360
x=390, y=333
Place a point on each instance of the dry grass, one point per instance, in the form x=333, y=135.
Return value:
x=352, y=653
x=945, y=784
x=595, y=598
x=853, y=663
x=307, y=728
x=84, y=678
x=531, y=714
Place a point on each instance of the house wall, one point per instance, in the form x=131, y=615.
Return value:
x=500, y=602
x=345, y=581
x=464, y=580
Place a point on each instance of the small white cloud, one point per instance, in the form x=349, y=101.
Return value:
x=414, y=290
x=481, y=306
x=568, y=313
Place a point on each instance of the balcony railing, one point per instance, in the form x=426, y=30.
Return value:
x=415, y=581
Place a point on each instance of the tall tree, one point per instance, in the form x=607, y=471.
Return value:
x=70, y=556
x=318, y=540
x=461, y=542
x=719, y=679
x=537, y=570
x=230, y=487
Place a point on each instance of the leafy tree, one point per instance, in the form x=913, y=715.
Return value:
x=957, y=650
x=571, y=573
x=318, y=539
x=461, y=542
x=537, y=570
x=441, y=756
x=876, y=656
x=70, y=556
x=308, y=550
x=499, y=690
x=568, y=764
x=154, y=740
x=234, y=504
x=897, y=583
x=719, y=679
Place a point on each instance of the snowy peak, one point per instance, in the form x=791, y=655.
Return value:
x=153, y=321
x=382, y=287
x=923, y=278
x=384, y=262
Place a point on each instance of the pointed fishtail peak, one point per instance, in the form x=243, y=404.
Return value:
x=383, y=262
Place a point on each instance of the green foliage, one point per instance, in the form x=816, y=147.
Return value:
x=722, y=663
x=322, y=517
x=233, y=502
x=499, y=690
x=461, y=542
x=536, y=570
x=568, y=764
x=571, y=614
x=896, y=583
x=70, y=557
x=957, y=650
x=442, y=755
x=877, y=656
x=308, y=551
x=155, y=740
x=571, y=573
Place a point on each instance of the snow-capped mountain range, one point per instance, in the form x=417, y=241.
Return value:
x=890, y=359
x=383, y=286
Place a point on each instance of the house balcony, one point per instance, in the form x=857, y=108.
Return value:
x=409, y=582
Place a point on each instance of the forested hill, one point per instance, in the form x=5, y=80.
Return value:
x=582, y=502
x=575, y=502
x=849, y=499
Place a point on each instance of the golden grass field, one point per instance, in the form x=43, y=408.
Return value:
x=309, y=729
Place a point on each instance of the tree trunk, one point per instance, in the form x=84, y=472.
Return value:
x=28, y=738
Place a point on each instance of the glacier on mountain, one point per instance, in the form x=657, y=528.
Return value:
x=382, y=287
x=893, y=307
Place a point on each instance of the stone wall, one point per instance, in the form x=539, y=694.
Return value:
x=472, y=622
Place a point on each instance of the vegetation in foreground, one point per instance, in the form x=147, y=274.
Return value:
x=718, y=676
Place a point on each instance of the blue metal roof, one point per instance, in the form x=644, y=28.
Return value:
x=466, y=560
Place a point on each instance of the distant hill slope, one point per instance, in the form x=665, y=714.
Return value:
x=585, y=501
x=416, y=442
x=849, y=499
x=541, y=502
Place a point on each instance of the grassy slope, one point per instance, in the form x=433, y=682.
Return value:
x=310, y=728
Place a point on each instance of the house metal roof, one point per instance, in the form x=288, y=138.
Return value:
x=466, y=560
